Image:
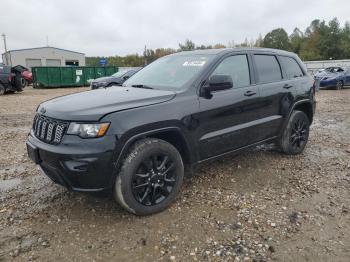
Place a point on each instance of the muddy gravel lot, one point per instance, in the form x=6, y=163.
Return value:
x=258, y=206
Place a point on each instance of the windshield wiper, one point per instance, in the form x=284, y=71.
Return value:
x=142, y=86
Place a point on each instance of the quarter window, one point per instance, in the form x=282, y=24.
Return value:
x=237, y=67
x=291, y=66
x=268, y=68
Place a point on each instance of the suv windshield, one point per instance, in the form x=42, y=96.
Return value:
x=171, y=72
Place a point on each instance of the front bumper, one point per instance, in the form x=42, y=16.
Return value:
x=77, y=164
x=97, y=85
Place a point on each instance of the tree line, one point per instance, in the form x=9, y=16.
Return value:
x=319, y=41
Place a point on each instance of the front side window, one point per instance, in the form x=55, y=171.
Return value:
x=170, y=72
x=268, y=68
x=291, y=66
x=237, y=67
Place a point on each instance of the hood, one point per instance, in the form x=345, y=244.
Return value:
x=94, y=104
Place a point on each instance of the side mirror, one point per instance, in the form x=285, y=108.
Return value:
x=216, y=83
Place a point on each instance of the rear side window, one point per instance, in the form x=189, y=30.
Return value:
x=268, y=68
x=237, y=67
x=291, y=66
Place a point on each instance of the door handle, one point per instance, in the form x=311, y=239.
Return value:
x=250, y=93
x=287, y=86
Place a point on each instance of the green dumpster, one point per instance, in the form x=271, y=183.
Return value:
x=48, y=76
x=89, y=73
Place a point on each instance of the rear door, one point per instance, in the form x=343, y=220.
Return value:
x=227, y=121
x=276, y=91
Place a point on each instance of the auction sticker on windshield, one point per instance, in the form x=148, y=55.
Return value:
x=194, y=63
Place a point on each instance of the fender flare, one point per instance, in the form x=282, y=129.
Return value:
x=132, y=139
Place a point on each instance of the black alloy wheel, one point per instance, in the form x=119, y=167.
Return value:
x=150, y=177
x=299, y=134
x=154, y=180
x=295, y=134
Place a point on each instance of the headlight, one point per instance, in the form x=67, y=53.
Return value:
x=88, y=130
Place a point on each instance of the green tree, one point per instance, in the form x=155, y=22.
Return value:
x=277, y=38
x=296, y=39
x=330, y=40
x=187, y=46
x=345, y=40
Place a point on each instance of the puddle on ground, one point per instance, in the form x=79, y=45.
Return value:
x=6, y=185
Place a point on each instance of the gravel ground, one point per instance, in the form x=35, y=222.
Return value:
x=258, y=206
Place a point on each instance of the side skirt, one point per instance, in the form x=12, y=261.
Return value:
x=235, y=150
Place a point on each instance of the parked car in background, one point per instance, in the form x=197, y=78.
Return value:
x=10, y=82
x=116, y=79
x=179, y=111
x=333, y=77
x=24, y=74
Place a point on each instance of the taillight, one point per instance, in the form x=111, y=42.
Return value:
x=10, y=77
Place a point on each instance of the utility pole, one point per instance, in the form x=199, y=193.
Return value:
x=5, y=46
x=47, y=40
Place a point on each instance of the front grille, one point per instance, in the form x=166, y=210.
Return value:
x=49, y=130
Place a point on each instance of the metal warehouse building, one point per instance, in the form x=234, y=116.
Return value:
x=43, y=56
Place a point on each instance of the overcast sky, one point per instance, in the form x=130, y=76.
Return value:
x=119, y=27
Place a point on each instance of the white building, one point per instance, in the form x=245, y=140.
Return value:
x=43, y=56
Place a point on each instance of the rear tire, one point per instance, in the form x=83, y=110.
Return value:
x=25, y=83
x=296, y=134
x=340, y=85
x=150, y=177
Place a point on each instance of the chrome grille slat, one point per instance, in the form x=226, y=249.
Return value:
x=43, y=129
x=40, y=122
x=49, y=130
x=58, y=133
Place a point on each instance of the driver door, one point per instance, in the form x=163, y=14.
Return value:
x=228, y=120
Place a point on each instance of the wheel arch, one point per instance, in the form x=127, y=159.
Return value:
x=306, y=107
x=302, y=105
x=172, y=135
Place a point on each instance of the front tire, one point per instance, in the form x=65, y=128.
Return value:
x=296, y=134
x=150, y=177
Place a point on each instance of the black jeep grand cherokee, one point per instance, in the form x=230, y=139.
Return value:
x=179, y=111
